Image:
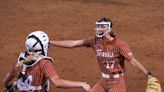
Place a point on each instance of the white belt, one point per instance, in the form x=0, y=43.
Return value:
x=112, y=76
x=35, y=88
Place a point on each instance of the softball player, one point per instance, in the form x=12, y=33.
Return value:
x=34, y=68
x=111, y=53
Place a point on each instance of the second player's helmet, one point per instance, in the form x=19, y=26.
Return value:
x=102, y=27
x=37, y=41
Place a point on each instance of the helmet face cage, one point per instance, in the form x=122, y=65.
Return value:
x=37, y=41
x=102, y=28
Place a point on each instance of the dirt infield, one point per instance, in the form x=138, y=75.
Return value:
x=139, y=22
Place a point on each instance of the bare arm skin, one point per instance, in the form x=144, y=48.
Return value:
x=139, y=66
x=8, y=78
x=61, y=83
x=67, y=43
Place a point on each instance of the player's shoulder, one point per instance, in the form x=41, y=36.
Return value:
x=120, y=41
x=46, y=59
x=90, y=38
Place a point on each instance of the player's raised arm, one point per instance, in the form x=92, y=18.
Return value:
x=67, y=43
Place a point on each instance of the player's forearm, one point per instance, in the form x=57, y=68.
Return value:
x=66, y=43
x=8, y=78
x=66, y=83
x=139, y=66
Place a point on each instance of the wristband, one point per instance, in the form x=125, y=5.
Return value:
x=148, y=73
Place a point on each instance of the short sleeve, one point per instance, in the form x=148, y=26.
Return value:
x=48, y=68
x=89, y=42
x=125, y=50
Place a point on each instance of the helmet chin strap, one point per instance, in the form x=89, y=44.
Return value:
x=107, y=32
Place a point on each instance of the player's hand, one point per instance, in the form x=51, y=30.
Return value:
x=86, y=87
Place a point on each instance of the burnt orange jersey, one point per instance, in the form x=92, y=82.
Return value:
x=40, y=72
x=110, y=54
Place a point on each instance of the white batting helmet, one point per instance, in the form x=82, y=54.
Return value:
x=37, y=41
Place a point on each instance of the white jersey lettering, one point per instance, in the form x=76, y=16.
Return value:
x=104, y=54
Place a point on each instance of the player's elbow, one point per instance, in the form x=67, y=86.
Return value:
x=57, y=84
x=71, y=44
x=76, y=43
x=56, y=81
